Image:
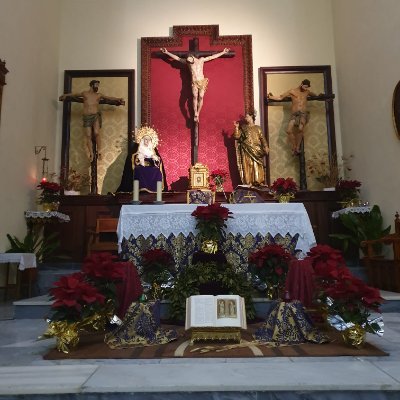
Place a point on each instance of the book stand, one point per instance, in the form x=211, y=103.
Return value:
x=214, y=334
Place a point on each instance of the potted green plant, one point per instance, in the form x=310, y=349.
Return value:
x=360, y=227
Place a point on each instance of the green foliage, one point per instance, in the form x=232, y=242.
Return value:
x=42, y=247
x=189, y=280
x=360, y=227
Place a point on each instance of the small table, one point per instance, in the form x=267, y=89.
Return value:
x=24, y=261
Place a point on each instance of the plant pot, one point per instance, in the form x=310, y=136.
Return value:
x=71, y=193
x=354, y=336
x=53, y=206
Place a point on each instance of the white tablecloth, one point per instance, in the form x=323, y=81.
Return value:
x=25, y=260
x=273, y=218
x=45, y=216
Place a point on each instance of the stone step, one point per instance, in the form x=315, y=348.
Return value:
x=40, y=306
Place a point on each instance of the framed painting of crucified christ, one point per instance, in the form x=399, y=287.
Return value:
x=117, y=122
x=298, y=120
x=173, y=92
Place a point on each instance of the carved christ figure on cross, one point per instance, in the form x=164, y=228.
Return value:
x=199, y=82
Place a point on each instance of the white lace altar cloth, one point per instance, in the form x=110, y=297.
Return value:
x=362, y=209
x=254, y=218
x=44, y=216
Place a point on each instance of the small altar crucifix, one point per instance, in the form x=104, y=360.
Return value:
x=195, y=59
x=92, y=123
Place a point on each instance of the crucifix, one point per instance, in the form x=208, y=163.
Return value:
x=194, y=59
x=298, y=120
x=92, y=122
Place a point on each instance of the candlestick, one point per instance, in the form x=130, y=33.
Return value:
x=159, y=191
x=135, y=190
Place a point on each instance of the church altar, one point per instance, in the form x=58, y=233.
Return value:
x=171, y=227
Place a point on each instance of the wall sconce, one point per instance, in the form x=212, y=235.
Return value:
x=45, y=160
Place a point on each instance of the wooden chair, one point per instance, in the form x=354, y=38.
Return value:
x=104, y=238
x=384, y=273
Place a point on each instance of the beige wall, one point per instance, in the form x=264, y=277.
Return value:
x=38, y=44
x=368, y=69
x=29, y=40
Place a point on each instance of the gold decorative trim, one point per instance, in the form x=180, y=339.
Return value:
x=204, y=334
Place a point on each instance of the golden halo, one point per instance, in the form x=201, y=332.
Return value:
x=146, y=131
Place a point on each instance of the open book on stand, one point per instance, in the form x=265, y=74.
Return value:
x=222, y=311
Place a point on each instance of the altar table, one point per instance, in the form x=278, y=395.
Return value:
x=171, y=227
x=25, y=261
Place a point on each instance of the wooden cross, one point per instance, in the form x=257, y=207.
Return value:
x=302, y=161
x=93, y=164
x=196, y=52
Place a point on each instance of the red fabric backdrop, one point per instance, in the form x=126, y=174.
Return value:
x=170, y=108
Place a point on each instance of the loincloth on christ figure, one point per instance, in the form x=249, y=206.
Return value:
x=201, y=84
x=298, y=116
x=90, y=119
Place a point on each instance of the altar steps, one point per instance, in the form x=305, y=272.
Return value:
x=39, y=306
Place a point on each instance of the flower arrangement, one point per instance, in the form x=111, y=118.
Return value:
x=270, y=264
x=73, y=180
x=284, y=189
x=219, y=176
x=74, y=298
x=353, y=300
x=344, y=295
x=325, y=171
x=211, y=221
x=85, y=300
x=158, y=266
x=348, y=189
x=50, y=192
x=103, y=271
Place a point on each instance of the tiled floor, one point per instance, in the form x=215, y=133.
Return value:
x=23, y=371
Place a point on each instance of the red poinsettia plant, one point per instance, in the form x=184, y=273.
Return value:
x=211, y=221
x=50, y=191
x=104, y=271
x=219, y=176
x=158, y=266
x=348, y=189
x=270, y=264
x=74, y=298
x=284, y=186
x=346, y=295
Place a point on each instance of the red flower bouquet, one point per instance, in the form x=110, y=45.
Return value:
x=326, y=261
x=103, y=271
x=211, y=221
x=353, y=300
x=158, y=266
x=348, y=189
x=74, y=298
x=284, y=186
x=270, y=264
x=219, y=176
x=50, y=192
x=345, y=295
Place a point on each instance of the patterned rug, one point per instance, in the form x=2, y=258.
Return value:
x=92, y=346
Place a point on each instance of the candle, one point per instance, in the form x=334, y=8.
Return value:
x=159, y=191
x=135, y=190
